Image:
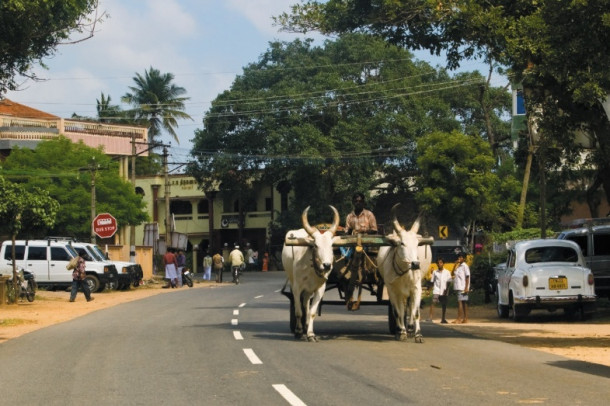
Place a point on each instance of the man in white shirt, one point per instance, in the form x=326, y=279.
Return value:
x=440, y=290
x=461, y=285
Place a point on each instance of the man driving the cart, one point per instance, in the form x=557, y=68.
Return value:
x=359, y=267
x=360, y=220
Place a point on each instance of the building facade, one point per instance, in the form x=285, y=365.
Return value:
x=208, y=219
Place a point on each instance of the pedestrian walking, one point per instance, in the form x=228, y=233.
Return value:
x=78, y=281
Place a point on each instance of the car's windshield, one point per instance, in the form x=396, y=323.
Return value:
x=94, y=253
x=72, y=250
x=99, y=252
x=550, y=254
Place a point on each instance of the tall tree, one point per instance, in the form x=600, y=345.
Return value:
x=64, y=170
x=559, y=50
x=31, y=30
x=158, y=102
x=328, y=120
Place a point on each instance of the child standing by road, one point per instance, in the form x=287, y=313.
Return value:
x=440, y=291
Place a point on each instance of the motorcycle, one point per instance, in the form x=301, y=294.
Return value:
x=26, y=287
x=187, y=277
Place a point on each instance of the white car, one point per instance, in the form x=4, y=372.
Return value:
x=545, y=274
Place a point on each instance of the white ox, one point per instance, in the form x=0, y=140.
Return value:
x=399, y=265
x=307, y=266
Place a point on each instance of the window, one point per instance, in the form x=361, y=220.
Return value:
x=59, y=254
x=203, y=206
x=601, y=244
x=19, y=251
x=37, y=253
x=511, y=259
x=550, y=254
x=581, y=240
x=181, y=207
x=268, y=204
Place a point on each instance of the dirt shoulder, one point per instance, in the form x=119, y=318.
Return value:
x=580, y=340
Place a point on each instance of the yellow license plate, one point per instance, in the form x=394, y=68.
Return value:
x=558, y=283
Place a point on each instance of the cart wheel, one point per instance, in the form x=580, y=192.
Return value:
x=391, y=320
x=293, y=319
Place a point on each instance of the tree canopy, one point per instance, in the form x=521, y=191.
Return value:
x=331, y=120
x=558, y=50
x=64, y=170
x=25, y=209
x=157, y=102
x=31, y=30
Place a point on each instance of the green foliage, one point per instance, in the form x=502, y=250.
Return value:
x=457, y=182
x=518, y=235
x=64, y=170
x=559, y=51
x=482, y=268
x=330, y=120
x=30, y=30
x=24, y=209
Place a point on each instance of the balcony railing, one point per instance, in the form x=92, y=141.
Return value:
x=116, y=139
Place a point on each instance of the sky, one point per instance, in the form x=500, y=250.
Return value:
x=203, y=43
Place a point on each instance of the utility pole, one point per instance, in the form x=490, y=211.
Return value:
x=93, y=169
x=168, y=235
x=132, y=227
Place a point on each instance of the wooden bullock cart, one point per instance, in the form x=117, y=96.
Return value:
x=354, y=272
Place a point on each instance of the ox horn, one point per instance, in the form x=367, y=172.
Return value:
x=395, y=223
x=333, y=227
x=415, y=226
x=310, y=230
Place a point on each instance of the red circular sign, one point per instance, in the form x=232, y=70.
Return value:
x=104, y=225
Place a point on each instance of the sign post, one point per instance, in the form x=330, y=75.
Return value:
x=104, y=225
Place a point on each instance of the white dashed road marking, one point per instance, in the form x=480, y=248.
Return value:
x=235, y=312
x=237, y=335
x=287, y=394
x=258, y=297
x=252, y=356
x=234, y=322
x=241, y=305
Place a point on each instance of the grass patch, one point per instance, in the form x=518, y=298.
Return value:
x=14, y=322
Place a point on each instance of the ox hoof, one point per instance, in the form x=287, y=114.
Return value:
x=401, y=336
x=419, y=339
x=298, y=336
x=312, y=339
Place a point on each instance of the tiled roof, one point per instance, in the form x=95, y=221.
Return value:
x=11, y=108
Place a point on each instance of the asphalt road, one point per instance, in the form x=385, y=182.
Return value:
x=231, y=345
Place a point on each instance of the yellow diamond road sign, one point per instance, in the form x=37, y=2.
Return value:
x=443, y=232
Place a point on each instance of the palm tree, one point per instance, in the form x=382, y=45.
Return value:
x=109, y=113
x=157, y=102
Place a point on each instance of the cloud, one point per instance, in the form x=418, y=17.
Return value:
x=260, y=13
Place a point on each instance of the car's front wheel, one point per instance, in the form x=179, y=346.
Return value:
x=93, y=282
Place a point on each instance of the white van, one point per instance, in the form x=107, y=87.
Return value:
x=47, y=260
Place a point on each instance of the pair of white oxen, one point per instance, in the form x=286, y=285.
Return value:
x=309, y=264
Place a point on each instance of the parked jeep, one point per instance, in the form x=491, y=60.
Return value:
x=593, y=237
x=47, y=260
x=130, y=274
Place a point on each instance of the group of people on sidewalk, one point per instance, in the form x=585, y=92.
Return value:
x=441, y=279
